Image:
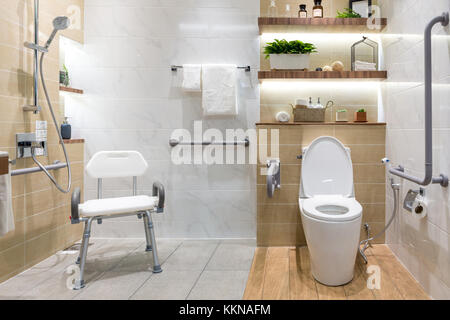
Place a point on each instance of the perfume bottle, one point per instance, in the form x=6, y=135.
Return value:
x=287, y=11
x=317, y=9
x=303, y=13
x=272, y=11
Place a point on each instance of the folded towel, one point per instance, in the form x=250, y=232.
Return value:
x=219, y=90
x=192, y=77
x=365, y=66
x=6, y=211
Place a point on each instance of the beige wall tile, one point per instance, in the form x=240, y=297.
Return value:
x=361, y=134
x=279, y=213
x=11, y=261
x=280, y=234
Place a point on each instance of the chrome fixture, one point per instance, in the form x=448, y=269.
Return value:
x=366, y=243
x=59, y=23
x=176, y=142
x=411, y=197
x=273, y=176
x=175, y=68
x=25, y=142
x=400, y=171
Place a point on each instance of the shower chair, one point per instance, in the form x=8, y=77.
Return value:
x=117, y=164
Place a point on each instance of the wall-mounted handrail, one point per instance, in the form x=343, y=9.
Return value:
x=175, y=68
x=399, y=171
x=55, y=166
x=176, y=142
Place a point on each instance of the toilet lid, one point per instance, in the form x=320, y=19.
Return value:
x=327, y=169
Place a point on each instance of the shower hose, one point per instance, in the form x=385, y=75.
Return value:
x=365, y=243
x=69, y=171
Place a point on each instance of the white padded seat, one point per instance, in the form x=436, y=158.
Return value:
x=112, y=206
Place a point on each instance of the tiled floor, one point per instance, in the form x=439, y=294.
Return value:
x=119, y=269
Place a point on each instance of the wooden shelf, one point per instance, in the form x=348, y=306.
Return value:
x=350, y=123
x=71, y=90
x=298, y=74
x=331, y=25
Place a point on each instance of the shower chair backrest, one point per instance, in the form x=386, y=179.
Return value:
x=116, y=164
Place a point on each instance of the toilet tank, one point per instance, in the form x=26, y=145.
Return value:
x=326, y=169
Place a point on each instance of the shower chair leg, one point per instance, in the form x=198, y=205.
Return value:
x=83, y=253
x=151, y=232
x=147, y=234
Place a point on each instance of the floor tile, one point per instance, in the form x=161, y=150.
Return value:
x=168, y=285
x=191, y=255
x=114, y=285
x=233, y=255
x=220, y=285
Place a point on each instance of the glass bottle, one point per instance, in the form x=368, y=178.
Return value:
x=303, y=13
x=317, y=9
x=272, y=11
x=287, y=11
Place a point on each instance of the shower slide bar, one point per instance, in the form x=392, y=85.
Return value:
x=176, y=142
x=175, y=68
x=56, y=166
x=400, y=170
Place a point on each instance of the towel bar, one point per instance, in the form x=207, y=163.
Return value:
x=246, y=68
x=176, y=142
x=55, y=166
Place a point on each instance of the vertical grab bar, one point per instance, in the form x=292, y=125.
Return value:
x=400, y=171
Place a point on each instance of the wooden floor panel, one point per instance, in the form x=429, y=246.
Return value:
x=282, y=273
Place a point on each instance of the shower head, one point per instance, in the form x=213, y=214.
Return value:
x=59, y=23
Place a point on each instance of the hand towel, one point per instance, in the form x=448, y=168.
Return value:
x=6, y=211
x=192, y=77
x=365, y=66
x=219, y=90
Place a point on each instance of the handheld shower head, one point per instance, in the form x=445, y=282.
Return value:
x=59, y=23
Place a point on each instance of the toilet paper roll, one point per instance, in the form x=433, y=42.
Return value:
x=283, y=116
x=419, y=208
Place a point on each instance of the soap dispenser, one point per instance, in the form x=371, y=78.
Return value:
x=66, y=129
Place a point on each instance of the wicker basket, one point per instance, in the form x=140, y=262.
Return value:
x=309, y=115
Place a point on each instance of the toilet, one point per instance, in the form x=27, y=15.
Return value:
x=330, y=214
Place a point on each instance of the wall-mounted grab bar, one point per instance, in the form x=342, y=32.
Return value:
x=400, y=171
x=176, y=142
x=56, y=166
x=246, y=68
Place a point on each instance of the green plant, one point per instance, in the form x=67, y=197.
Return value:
x=361, y=110
x=288, y=47
x=348, y=13
x=64, y=76
x=342, y=110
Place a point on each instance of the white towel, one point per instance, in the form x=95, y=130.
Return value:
x=192, y=77
x=6, y=211
x=365, y=66
x=219, y=90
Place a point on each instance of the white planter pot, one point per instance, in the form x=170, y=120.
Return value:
x=289, y=61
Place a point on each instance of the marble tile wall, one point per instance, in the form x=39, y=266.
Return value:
x=421, y=245
x=134, y=101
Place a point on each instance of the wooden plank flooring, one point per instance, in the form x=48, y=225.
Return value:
x=283, y=273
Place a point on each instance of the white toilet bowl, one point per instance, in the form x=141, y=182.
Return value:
x=330, y=214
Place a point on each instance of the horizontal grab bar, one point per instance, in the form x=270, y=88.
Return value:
x=246, y=68
x=176, y=142
x=55, y=166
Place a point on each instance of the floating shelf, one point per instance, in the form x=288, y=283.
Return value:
x=71, y=90
x=298, y=74
x=350, y=123
x=328, y=25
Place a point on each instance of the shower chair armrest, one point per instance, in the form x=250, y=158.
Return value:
x=76, y=198
x=158, y=191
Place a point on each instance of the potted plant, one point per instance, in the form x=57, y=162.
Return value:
x=361, y=115
x=348, y=13
x=285, y=54
x=64, y=78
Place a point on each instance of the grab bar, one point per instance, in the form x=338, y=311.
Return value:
x=246, y=68
x=176, y=142
x=55, y=166
x=400, y=171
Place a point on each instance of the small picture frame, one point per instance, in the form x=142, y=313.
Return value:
x=363, y=7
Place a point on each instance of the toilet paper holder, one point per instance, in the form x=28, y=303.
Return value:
x=411, y=197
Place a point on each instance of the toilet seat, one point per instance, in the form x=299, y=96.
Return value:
x=332, y=208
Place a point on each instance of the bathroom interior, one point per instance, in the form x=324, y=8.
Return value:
x=120, y=179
